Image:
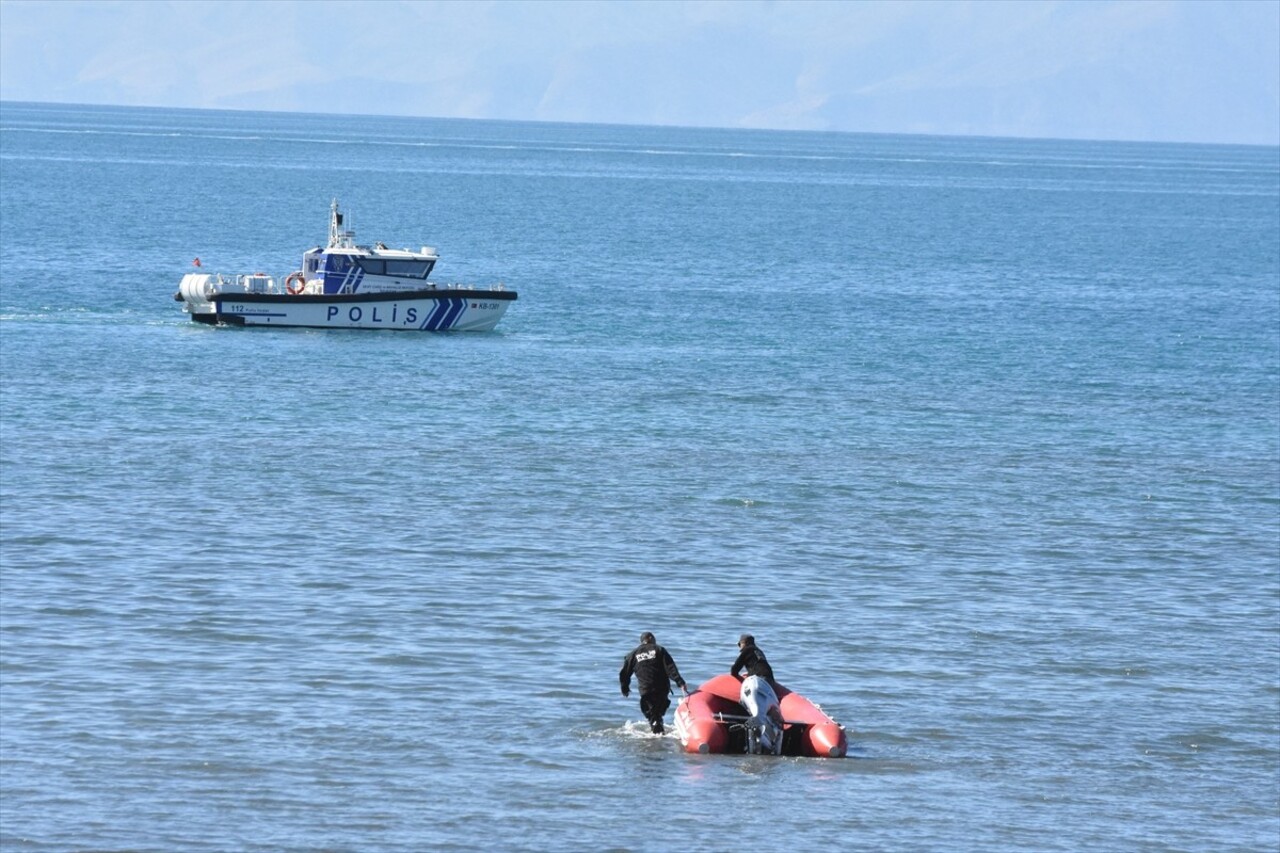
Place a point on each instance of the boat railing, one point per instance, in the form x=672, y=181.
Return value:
x=247, y=283
x=263, y=283
x=453, y=285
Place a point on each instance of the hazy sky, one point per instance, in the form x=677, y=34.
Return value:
x=1141, y=69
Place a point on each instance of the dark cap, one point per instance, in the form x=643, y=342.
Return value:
x=647, y=637
x=746, y=639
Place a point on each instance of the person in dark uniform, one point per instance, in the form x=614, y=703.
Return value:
x=654, y=671
x=751, y=659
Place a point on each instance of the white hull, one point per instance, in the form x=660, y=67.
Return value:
x=435, y=310
x=476, y=311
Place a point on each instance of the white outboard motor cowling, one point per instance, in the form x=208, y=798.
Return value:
x=764, y=724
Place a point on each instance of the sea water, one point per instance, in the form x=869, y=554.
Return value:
x=979, y=437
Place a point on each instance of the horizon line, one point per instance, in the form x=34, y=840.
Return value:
x=729, y=128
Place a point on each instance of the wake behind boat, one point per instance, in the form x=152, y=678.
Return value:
x=346, y=286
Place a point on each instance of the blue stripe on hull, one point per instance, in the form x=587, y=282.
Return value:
x=433, y=319
x=445, y=314
x=459, y=305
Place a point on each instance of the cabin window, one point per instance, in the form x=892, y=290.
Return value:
x=394, y=267
x=409, y=269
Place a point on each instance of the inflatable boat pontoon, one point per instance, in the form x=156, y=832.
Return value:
x=732, y=715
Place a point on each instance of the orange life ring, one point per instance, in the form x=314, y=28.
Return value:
x=295, y=278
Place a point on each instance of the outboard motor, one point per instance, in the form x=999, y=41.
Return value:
x=764, y=721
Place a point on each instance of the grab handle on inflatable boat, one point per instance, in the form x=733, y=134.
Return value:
x=726, y=718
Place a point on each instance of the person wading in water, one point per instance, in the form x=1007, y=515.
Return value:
x=654, y=670
x=752, y=659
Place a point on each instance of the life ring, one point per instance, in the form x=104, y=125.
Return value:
x=295, y=283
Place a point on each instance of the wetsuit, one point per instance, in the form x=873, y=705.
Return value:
x=754, y=662
x=654, y=670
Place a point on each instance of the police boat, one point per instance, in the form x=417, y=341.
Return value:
x=346, y=286
x=731, y=715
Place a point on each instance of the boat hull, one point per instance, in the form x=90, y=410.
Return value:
x=427, y=311
x=703, y=728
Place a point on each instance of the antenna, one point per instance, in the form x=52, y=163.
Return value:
x=338, y=237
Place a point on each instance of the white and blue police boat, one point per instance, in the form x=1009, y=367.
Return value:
x=346, y=286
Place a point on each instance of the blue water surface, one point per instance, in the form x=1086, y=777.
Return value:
x=979, y=437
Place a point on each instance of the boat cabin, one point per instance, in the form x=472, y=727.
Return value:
x=344, y=266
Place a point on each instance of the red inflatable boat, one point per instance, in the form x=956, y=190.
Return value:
x=712, y=719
